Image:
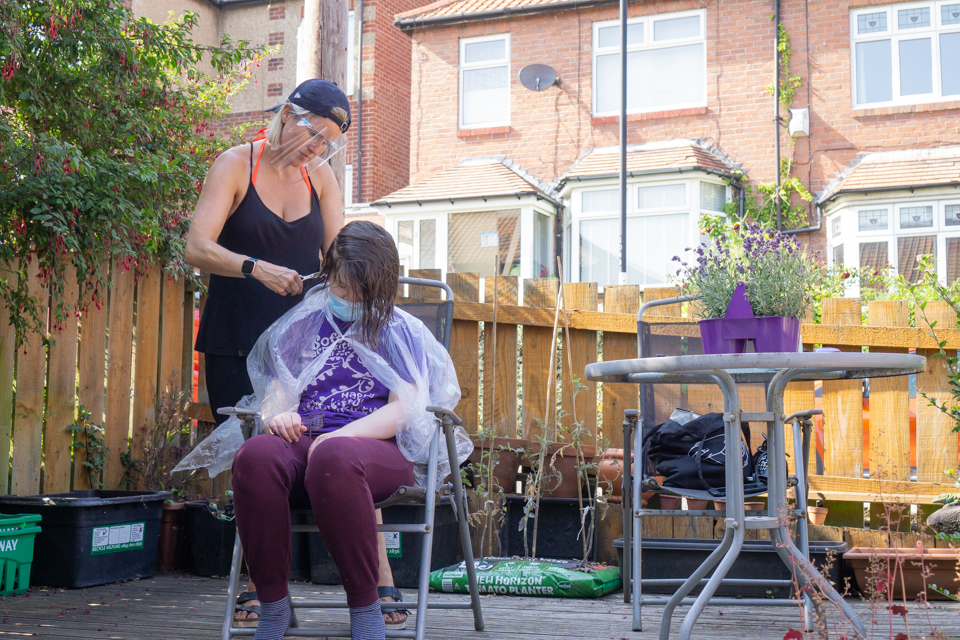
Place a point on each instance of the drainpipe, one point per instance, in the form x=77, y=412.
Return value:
x=815, y=227
x=776, y=104
x=359, y=89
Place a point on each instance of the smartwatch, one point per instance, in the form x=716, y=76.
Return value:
x=247, y=268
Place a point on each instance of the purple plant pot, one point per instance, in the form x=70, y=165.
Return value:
x=714, y=342
x=777, y=334
x=770, y=334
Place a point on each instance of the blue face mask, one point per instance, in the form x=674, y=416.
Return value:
x=345, y=311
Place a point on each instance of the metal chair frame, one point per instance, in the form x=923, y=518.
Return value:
x=802, y=423
x=426, y=497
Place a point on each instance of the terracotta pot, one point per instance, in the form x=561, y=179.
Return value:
x=754, y=506
x=564, y=464
x=508, y=459
x=610, y=474
x=173, y=523
x=817, y=515
x=696, y=505
x=669, y=503
x=720, y=505
x=940, y=564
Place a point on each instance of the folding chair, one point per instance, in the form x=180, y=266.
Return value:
x=437, y=315
x=657, y=402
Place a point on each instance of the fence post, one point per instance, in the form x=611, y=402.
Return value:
x=619, y=346
x=28, y=418
x=502, y=419
x=171, y=336
x=61, y=394
x=582, y=350
x=538, y=292
x=465, y=349
x=843, y=419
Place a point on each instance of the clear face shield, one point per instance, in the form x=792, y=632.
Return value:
x=306, y=141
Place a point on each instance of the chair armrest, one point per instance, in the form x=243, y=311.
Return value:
x=234, y=411
x=443, y=413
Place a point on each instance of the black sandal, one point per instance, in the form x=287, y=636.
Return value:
x=393, y=592
x=243, y=598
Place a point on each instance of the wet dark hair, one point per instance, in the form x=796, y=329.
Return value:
x=364, y=259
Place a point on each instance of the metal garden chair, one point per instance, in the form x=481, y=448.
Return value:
x=437, y=315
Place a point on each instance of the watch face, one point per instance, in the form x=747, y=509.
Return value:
x=247, y=267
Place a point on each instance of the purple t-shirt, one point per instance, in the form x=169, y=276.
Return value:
x=344, y=390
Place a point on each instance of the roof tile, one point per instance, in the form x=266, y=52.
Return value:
x=901, y=170
x=465, y=181
x=461, y=7
x=685, y=154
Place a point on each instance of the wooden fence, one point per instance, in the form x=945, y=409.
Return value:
x=114, y=361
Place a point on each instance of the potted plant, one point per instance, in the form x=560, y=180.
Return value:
x=753, y=283
x=160, y=445
x=818, y=514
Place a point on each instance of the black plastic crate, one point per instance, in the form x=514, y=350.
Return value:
x=406, y=567
x=92, y=537
x=670, y=558
x=558, y=529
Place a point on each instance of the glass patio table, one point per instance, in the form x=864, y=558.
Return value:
x=726, y=371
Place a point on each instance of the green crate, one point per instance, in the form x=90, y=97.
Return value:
x=16, y=552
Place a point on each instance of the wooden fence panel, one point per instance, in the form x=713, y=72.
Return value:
x=538, y=395
x=799, y=396
x=61, y=396
x=578, y=352
x=28, y=410
x=7, y=359
x=92, y=363
x=465, y=350
x=146, y=359
x=889, y=434
x=172, y=327
x=119, y=365
x=618, y=346
x=843, y=418
x=936, y=440
x=426, y=293
x=202, y=396
x=502, y=418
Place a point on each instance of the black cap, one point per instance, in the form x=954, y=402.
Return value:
x=323, y=98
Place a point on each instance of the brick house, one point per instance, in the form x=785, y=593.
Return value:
x=379, y=134
x=881, y=151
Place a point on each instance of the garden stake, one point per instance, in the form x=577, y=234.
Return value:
x=551, y=384
x=493, y=409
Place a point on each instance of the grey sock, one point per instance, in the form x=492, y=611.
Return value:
x=275, y=620
x=366, y=623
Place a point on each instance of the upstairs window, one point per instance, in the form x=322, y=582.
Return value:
x=906, y=53
x=666, y=63
x=485, y=81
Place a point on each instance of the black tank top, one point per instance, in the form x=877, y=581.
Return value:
x=238, y=310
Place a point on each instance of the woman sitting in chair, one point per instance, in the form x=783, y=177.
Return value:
x=343, y=379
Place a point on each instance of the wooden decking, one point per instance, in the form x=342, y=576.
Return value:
x=187, y=607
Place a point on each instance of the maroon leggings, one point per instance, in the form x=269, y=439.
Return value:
x=341, y=483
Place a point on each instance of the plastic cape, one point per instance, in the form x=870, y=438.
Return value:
x=409, y=361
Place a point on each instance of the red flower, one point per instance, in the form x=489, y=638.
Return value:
x=845, y=275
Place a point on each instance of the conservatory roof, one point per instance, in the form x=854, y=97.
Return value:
x=898, y=170
x=675, y=156
x=481, y=178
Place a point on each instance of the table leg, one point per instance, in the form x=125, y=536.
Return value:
x=636, y=495
x=735, y=510
x=805, y=573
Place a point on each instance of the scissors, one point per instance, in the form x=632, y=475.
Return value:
x=312, y=276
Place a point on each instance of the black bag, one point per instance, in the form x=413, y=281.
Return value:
x=693, y=455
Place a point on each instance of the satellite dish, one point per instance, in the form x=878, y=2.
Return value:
x=538, y=77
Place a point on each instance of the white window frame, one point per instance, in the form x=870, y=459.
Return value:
x=442, y=230
x=483, y=65
x=691, y=209
x=896, y=35
x=851, y=237
x=648, y=44
x=348, y=185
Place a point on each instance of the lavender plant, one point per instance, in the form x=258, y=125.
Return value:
x=778, y=272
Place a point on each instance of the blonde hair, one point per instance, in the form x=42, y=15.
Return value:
x=276, y=125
